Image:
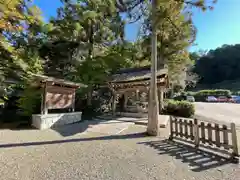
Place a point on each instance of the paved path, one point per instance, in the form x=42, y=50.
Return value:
x=223, y=112
x=78, y=151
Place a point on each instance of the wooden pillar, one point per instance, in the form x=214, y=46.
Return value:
x=73, y=100
x=44, y=109
x=137, y=99
x=114, y=103
x=149, y=104
x=160, y=98
x=125, y=101
x=137, y=94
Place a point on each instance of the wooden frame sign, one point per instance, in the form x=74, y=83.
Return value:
x=59, y=97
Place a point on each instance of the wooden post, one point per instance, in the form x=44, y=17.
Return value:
x=137, y=98
x=217, y=135
x=44, y=109
x=171, y=128
x=160, y=98
x=225, y=137
x=114, y=104
x=234, y=139
x=125, y=101
x=191, y=130
x=137, y=94
x=196, y=133
x=202, y=125
x=181, y=127
x=73, y=100
x=176, y=126
x=186, y=128
x=209, y=127
x=149, y=106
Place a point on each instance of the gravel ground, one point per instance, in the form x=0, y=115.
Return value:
x=223, y=112
x=130, y=155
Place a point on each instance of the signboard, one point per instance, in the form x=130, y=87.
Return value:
x=59, y=97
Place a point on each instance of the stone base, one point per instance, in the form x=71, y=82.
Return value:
x=46, y=121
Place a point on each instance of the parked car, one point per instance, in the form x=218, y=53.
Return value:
x=190, y=98
x=222, y=99
x=211, y=99
x=235, y=99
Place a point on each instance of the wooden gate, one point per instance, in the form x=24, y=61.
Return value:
x=200, y=132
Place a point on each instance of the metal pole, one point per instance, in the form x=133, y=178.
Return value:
x=153, y=124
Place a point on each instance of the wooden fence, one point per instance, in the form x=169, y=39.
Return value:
x=200, y=132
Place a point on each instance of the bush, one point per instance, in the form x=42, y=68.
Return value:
x=179, y=108
x=202, y=95
x=190, y=93
x=30, y=101
x=216, y=92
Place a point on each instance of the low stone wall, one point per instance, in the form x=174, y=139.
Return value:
x=46, y=121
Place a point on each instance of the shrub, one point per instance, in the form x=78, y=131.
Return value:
x=190, y=93
x=179, y=108
x=202, y=95
x=216, y=92
x=30, y=101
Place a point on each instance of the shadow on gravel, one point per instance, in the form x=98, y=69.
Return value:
x=198, y=160
x=101, y=138
x=82, y=126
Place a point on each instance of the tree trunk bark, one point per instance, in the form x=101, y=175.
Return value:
x=153, y=124
x=90, y=56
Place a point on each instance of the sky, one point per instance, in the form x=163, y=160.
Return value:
x=214, y=28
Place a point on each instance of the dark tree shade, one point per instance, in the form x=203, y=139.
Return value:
x=219, y=65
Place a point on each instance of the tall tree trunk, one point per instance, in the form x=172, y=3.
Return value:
x=90, y=56
x=153, y=124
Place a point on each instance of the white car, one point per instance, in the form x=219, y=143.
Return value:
x=190, y=98
x=211, y=99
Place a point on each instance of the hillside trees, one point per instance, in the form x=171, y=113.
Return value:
x=219, y=65
x=86, y=42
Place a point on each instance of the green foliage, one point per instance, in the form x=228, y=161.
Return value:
x=30, y=101
x=218, y=66
x=179, y=108
x=85, y=42
x=190, y=93
x=203, y=94
x=216, y=92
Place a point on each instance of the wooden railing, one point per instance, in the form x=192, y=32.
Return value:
x=199, y=132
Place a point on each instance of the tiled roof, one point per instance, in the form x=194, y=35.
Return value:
x=43, y=78
x=135, y=74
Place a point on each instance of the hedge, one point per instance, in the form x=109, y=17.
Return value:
x=179, y=108
x=203, y=94
x=217, y=92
